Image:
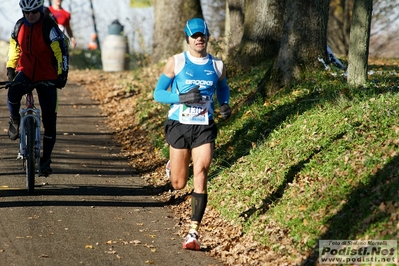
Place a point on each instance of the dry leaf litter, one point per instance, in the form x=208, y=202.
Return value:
x=219, y=238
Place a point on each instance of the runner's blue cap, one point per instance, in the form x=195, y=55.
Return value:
x=196, y=25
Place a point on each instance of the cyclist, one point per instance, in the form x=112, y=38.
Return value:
x=38, y=52
x=190, y=130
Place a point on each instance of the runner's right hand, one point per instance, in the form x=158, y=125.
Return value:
x=193, y=96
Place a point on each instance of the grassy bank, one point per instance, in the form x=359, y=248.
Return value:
x=320, y=161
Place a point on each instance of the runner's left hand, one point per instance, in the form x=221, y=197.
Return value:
x=225, y=111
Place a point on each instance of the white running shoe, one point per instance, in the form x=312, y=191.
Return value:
x=191, y=241
x=167, y=168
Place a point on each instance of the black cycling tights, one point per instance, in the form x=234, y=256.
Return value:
x=48, y=100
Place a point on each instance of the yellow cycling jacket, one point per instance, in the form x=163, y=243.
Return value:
x=40, y=51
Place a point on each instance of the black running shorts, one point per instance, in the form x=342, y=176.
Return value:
x=182, y=136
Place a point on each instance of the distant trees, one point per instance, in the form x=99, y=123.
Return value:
x=384, y=37
x=339, y=24
x=292, y=33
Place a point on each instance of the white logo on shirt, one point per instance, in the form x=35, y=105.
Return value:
x=209, y=72
x=200, y=82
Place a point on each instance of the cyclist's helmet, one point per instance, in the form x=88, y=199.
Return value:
x=196, y=25
x=29, y=5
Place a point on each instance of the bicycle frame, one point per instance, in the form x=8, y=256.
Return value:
x=29, y=145
x=29, y=111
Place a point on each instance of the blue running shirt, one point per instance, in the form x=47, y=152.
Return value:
x=191, y=72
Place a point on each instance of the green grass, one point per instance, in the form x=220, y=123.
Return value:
x=319, y=161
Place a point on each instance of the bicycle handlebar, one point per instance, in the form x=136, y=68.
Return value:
x=8, y=84
x=5, y=84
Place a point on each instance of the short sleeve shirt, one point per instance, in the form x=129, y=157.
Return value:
x=62, y=16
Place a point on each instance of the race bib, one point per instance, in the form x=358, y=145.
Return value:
x=195, y=114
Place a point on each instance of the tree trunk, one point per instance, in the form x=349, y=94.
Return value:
x=170, y=19
x=359, y=42
x=302, y=43
x=234, y=24
x=93, y=17
x=263, y=26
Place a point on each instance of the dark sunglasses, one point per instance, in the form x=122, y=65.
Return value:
x=34, y=11
x=197, y=34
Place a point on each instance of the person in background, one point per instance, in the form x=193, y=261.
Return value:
x=92, y=45
x=190, y=130
x=63, y=19
x=38, y=52
x=333, y=59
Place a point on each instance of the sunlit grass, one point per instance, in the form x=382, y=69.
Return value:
x=297, y=159
x=318, y=161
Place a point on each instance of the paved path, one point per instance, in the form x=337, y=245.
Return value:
x=93, y=210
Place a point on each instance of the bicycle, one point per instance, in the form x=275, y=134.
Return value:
x=29, y=133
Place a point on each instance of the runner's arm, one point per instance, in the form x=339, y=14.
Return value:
x=161, y=93
x=222, y=89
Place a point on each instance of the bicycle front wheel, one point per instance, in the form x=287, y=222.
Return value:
x=30, y=153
